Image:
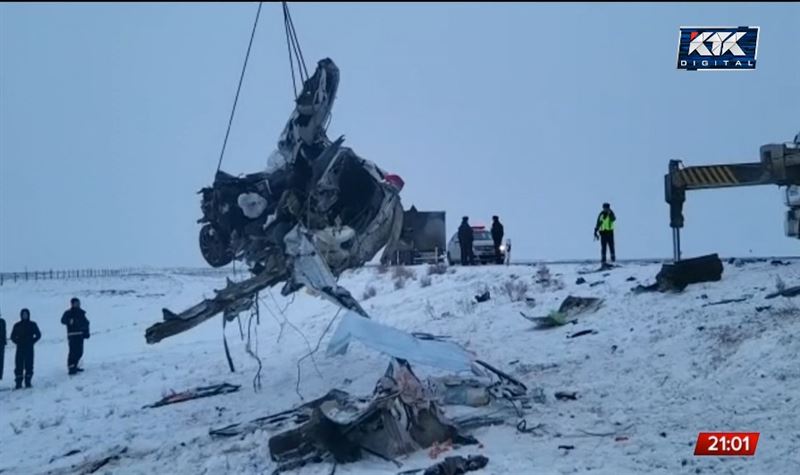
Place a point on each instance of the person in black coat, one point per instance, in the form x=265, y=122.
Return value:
x=25, y=334
x=77, y=331
x=465, y=240
x=2, y=345
x=497, y=237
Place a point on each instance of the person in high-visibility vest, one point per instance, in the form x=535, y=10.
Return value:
x=604, y=230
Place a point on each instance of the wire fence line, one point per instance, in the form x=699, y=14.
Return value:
x=74, y=274
x=26, y=276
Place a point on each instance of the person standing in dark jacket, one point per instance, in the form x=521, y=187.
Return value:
x=465, y=240
x=2, y=345
x=604, y=230
x=25, y=334
x=77, y=331
x=497, y=237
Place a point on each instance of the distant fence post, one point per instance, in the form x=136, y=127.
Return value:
x=64, y=274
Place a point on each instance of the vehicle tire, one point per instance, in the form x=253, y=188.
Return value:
x=214, y=248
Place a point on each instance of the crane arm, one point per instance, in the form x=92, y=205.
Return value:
x=722, y=176
x=779, y=165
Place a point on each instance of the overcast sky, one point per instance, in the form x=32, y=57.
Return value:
x=112, y=118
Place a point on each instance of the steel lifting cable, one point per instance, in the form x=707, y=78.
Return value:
x=294, y=49
x=293, y=45
x=289, y=48
x=239, y=87
x=296, y=41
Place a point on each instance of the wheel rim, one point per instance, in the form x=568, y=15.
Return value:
x=213, y=248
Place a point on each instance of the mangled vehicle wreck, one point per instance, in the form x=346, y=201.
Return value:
x=401, y=416
x=318, y=210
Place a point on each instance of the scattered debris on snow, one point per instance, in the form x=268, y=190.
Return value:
x=458, y=465
x=582, y=333
x=120, y=372
x=338, y=428
x=566, y=396
x=787, y=292
x=484, y=297
x=779, y=262
x=195, y=393
x=727, y=301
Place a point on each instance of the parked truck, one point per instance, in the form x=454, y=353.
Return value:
x=423, y=239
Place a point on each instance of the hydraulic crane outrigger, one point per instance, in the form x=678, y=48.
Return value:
x=779, y=165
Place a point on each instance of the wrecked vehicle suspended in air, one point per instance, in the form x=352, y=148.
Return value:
x=318, y=210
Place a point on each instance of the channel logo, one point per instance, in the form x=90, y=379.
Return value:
x=717, y=48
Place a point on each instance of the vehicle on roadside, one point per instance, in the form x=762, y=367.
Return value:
x=482, y=247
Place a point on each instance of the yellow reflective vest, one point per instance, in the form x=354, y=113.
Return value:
x=605, y=222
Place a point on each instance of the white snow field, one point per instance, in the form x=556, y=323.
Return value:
x=659, y=369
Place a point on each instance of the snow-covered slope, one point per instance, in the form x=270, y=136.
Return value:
x=659, y=368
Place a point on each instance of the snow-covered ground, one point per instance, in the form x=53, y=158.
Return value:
x=660, y=368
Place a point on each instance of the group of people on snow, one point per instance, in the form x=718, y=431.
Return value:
x=603, y=231
x=466, y=238
x=26, y=333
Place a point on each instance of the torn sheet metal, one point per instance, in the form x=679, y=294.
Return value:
x=457, y=391
x=397, y=343
x=310, y=270
x=195, y=393
x=572, y=306
x=398, y=420
x=308, y=266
